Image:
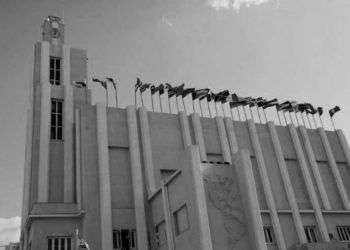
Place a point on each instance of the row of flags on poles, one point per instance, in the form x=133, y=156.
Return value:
x=234, y=100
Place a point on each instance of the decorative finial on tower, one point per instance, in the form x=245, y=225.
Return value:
x=53, y=30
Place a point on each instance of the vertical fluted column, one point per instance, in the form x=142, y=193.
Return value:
x=167, y=217
x=137, y=179
x=200, y=200
x=185, y=129
x=308, y=182
x=344, y=144
x=45, y=117
x=78, y=157
x=232, y=139
x=247, y=186
x=314, y=168
x=147, y=150
x=266, y=185
x=104, y=178
x=335, y=170
x=198, y=135
x=68, y=128
x=287, y=183
x=225, y=148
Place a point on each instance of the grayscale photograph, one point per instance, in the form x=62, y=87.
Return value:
x=175, y=125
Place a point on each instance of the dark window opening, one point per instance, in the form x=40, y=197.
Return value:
x=124, y=239
x=310, y=233
x=343, y=233
x=268, y=234
x=55, y=70
x=56, y=127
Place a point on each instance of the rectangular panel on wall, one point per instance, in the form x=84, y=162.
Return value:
x=211, y=136
x=330, y=185
x=243, y=137
x=345, y=175
x=121, y=183
x=298, y=183
x=78, y=62
x=259, y=187
x=56, y=172
x=272, y=168
x=117, y=128
x=166, y=140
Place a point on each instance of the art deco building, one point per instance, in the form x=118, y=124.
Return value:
x=127, y=178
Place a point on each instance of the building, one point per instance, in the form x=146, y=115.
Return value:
x=12, y=246
x=134, y=179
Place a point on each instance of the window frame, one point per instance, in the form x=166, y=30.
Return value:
x=67, y=241
x=55, y=70
x=117, y=241
x=56, y=130
x=269, y=235
x=175, y=220
x=343, y=230
x=310, y=233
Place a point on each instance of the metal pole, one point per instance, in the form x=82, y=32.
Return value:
x=177, y=104
x=200, y=107
x=160, y=103
x=135, y=98
x=222, y=108
x=278, y=115
x=209, y=109
x=302, y=118
x=333, y=123
x=257, y=110
x=295, y=114
x=194, y=110
x=284, y=115
x=245, y=113
x=308, y=119
x=321, y=120
x=152, y=102
x=183, y=103
x=291, y=119
x=106, y=97
x=251, y=113
x=141, y=99
x=216, y=108
x=239, y=114
x=232, y=117
x=313, y=117
x=265, y=114
x=116, y=95
x=169, y=100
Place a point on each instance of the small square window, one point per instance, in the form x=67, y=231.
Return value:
x=181, y=220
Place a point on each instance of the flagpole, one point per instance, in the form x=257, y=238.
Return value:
x=141, y=99
x=216, y=108
x=291, y=119
x=308, y=119
x=106, y=97
x=209, y=109
x=152, y=102
x=116, y=96
x=177, y=104
x=333, y=123
x=169, y=100
x=302, y=119
x=200, y=107
x=278, y=115
x=257, y=110
x=135, y=98
x=313, y=117
x=222, y=108
x=284, y=115
x=320, y=120
x=183, y=104
x=265, y=114
x=239, y=113
x=232, y=117
x=296, y=117
x=160, y=102
x=194, y=110
x=245, y=113
x=251, y=113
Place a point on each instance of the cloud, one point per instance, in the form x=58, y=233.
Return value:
x=234, y=4
x=9, y=229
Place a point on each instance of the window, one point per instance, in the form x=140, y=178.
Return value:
x=56, y=119
x=160, y=233
x=310, y=233
x=55, y=70
x=181, y=220
x=269, y=236
x=59, y=243
x=343, y=233
x=124, y=239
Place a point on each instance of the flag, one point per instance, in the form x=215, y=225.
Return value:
x=171, y=90
x=103, y=83
x=200, y=93
x=221, y=96
x=255, y=101
x=185, y=92
x=235, y=100
x=138, y=84
x=209, y=97
x=333, y=111
x=179, y=90
x=154, y=89
x=161, y=89
x=113, y=82
x=79, y=84
x=320, y=110
x=144, y=87
x=285, y=106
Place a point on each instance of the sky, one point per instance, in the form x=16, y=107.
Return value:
x=289, y=49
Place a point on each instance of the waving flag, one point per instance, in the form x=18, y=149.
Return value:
x=256, y=101
x=79, y=84
x=154, y=89
x=334, y=110
x=103, y=83
x=113, y=82
x=221, y=96
x=179, y=90
x=161, y=89
x=200, y=93
x=320, y=110
x=138, y=84
x=171, y=90
x=270, y=103
x=144, y=87
x=185, y=92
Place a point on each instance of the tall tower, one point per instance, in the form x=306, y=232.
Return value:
x=49, y=179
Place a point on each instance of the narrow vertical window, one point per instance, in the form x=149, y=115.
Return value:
x=56, y=119
x=181, y=220
x=59, y=243
x=55, y=70
x=269, y=236
x=310, y=232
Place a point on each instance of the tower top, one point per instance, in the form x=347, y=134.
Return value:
x=53, y=30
